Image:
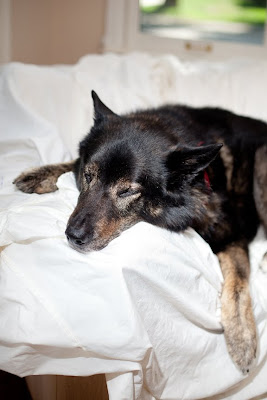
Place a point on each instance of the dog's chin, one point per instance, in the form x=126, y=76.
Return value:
x=89, y=247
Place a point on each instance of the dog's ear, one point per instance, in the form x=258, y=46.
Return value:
x=101, y=110
x=184, y=163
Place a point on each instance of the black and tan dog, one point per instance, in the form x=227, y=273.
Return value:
x=174, y=167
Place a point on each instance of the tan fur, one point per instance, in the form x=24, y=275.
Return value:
x=43, y=179
x=155, y=211
x=122, y=203
x=93, y=170
x=240, y=181
x=237, y=313
x=106, y=229
x=260, y=184
x=228, y=163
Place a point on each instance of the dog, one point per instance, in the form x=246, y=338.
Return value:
x=174, y=167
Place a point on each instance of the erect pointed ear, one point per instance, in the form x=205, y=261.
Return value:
x=101, y=110
x=186, y=162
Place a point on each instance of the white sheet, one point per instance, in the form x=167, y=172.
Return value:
x=146, y=309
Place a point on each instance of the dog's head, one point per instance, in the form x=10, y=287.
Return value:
x=130, y=171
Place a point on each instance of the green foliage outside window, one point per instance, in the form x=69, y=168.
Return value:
x=245, y=11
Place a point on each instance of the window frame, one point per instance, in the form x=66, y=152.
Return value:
x=122, y=34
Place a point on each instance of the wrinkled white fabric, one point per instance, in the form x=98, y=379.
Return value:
x=146, y=309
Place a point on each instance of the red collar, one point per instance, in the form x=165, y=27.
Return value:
x=206, y=175
x=207, y=180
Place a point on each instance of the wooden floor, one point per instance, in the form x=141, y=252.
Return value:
x=51, y=387
x=56, y=387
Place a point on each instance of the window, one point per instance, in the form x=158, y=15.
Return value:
x=212, y=29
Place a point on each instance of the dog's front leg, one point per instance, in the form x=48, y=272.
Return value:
x=237, y=314
x=42, y=179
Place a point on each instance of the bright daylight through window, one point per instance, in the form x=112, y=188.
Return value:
x=239, y=21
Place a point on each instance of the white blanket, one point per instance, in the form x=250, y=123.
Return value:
x=146, y=309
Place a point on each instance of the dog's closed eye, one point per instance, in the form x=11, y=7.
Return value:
x=127, y=192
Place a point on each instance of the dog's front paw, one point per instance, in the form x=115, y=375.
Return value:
x=240, y=331
x=37, y=180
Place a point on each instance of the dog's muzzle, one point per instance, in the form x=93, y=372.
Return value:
x=77, y=237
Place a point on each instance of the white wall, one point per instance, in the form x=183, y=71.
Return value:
x=50, y=31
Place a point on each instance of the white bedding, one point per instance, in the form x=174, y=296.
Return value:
x=146, y=309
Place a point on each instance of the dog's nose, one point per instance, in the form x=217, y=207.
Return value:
x=76, y=237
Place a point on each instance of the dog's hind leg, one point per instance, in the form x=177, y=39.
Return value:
x=237, y=313
x=260, y=191
x=260, y=184
x=42, y=179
